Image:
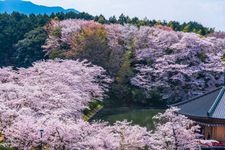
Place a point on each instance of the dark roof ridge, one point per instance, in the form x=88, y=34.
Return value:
x=195, y=98
x=216, y=102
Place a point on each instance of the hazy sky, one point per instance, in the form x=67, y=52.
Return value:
x=208, y=12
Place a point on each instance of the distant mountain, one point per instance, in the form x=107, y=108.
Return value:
x=27, y=7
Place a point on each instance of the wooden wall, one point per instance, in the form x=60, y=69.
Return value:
x=216, y=133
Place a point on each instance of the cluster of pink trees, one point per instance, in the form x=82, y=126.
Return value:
x=178, y=65
x=60, y=135
x=46, y=94
x=42, y=106
x=219, y=34
x=47, y=87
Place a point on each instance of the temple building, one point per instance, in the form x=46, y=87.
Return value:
x=208, y=111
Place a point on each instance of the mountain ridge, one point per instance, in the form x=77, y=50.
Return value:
x=28, y=7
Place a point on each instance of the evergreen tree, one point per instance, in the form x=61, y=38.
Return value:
x=30, y=49
x=112, y=19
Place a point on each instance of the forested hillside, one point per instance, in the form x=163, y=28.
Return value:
x=58, y=70
x=15, y=28
x=150, y=62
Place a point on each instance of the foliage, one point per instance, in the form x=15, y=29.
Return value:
x=46, y=95
x=175, y=131
x=91, y=44
x=218, y=34
x=93, y=108
x=121, y=89
x=42, y=105
x=80, y=135
x=148, y=64
x=4, y=148
x=202, y=56
x=163, y=62
x=29, y=49
x=49, y=98
x=32, y=115
x=29, y=130
x=69, y=84
x=104, y=44
x=192, y=67
x=13, y=28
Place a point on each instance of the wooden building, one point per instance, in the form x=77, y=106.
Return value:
x=208, y=111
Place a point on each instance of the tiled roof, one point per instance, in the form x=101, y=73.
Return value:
x=209, y=105
x=219, y=111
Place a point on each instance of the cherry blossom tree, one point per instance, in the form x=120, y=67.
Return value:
x=218, y=34
x=175, y=131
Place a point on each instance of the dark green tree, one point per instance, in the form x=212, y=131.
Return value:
x=123, y=19
x=112, y=19
x=30, y=49
x=101, y=19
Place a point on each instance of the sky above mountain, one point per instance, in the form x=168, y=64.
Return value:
x=27, y=7
x=208, y=12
